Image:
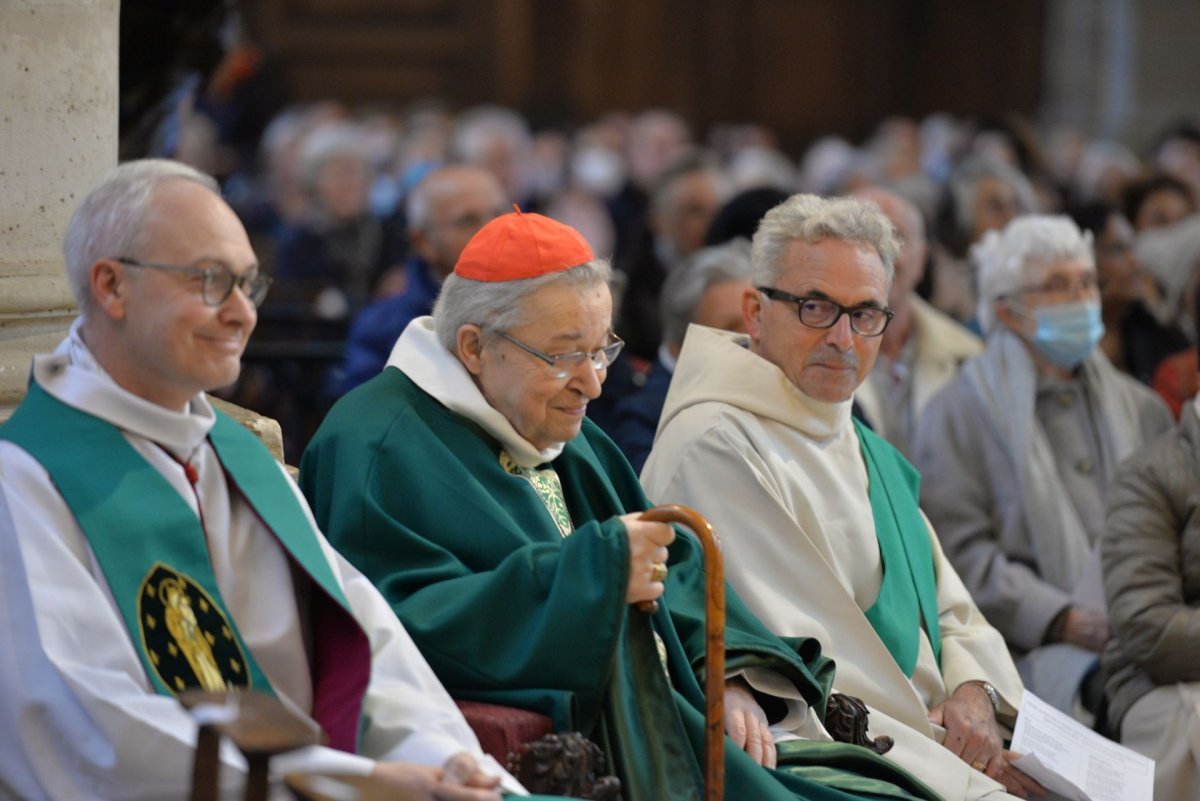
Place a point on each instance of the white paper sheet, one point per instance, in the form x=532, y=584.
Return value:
x=1073, y=761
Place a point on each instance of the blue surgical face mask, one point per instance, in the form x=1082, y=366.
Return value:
x=1067, y=333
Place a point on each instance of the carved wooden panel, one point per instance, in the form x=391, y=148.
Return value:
x=803, y=67
x=396, y=50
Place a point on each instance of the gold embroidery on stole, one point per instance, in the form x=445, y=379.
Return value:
x=546, y=484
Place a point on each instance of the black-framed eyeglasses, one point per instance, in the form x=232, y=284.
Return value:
x=217, y=279
x=816, y=312
x=564, y=364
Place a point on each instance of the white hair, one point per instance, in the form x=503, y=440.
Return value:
x=809, y=218
x=756, y=166
x=827, y=164
x=110, y=221
x=499, y=305
x=478, y=126
x=690, y=279
x=330, y=141
x=1005, y=260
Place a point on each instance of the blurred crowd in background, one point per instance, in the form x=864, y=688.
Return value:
x=359, y=212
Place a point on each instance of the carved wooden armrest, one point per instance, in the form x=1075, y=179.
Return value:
x=846, y=721
x=546, y=763
x=566, y=764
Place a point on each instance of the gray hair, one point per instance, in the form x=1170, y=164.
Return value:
x=967, y=176
x=663, y=195
x=499, y=305
x=109, y=223
x=417, y=206
x=1005, y=259
x=809, y=218
x=479, y=125
x=326, y=143
x=690, y=279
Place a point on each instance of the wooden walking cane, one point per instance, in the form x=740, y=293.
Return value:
x=714, y=648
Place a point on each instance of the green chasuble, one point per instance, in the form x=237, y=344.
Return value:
x=907, y=600
x=509, y=610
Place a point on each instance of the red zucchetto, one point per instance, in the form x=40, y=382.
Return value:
x=518, y=245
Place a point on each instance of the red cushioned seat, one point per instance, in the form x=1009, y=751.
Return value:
x=503, y=729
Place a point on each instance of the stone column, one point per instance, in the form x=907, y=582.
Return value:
x=1089, y=60
x=58, y=135
x=1121, y=69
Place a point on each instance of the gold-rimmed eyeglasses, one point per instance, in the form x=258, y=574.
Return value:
x=564, y=364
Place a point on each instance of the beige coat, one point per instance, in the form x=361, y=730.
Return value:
x=941, y=346
x=782, y=478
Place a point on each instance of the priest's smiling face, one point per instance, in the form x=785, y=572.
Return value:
x=173, y=344
x=824, y=363
x=562, y=318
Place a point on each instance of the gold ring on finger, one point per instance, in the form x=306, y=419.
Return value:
x=658, y=572
x=979, y=765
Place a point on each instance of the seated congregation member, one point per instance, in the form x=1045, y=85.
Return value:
x=706, y=289
x=818, y=517
x=504, y=528
x=684, y=202
x=443, y=212
x=1134, y=340
x=151, y=545
x=1150, y=549
x=333, y=258
x=922, y=348
x=1016, y=455
x=982, y=194
x=1172, y=256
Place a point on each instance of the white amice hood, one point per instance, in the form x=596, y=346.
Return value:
x=718, y=366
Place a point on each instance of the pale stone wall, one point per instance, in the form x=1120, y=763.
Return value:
x=1168, y=67
x=58, y=135
x=1121, y=69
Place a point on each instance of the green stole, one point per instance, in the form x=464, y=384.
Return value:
x=154, y=554
x=907, y=599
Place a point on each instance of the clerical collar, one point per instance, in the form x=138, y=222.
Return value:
x=422, y=357
x=72, y=375
x=717, y=366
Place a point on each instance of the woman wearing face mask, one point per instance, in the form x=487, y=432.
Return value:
x=1017, y=452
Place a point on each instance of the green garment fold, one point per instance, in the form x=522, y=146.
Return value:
x=145, y=538
x=508, y=610
x=138, y=567
x=907, y=600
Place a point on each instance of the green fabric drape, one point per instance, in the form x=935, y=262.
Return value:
x=508, y=610
x=907, y=600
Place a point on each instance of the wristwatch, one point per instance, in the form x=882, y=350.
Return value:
x=991, y=693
